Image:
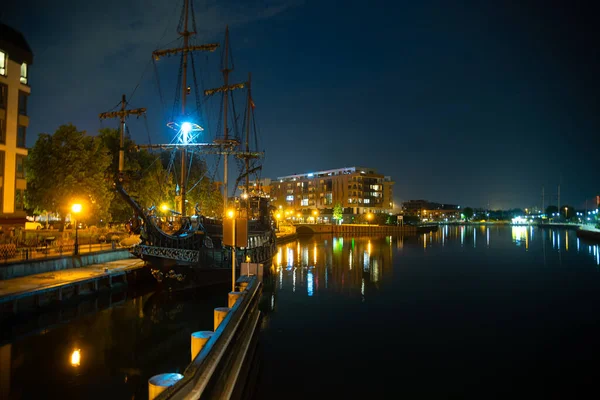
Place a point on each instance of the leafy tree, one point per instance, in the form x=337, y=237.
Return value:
x=338, y=212
x=143, y=176
x=551, y=210
x=468, y=213
x=568, y=213
x=66, y=167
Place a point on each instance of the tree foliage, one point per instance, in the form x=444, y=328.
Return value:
x=468, y=213
x=551, y=210
x=338, y=212
x=66, y=167
x=144, y=177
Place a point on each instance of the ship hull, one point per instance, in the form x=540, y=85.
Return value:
x=184, y=268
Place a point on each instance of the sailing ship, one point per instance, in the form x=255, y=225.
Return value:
x=189, y=245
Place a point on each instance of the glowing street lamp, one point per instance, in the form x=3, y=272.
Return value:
x=76, y=209
x=315, y=213
x=231, y=215
x=566, y=210
x=76, y=358
x=369, y=218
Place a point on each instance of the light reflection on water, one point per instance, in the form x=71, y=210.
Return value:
x=374, y=255
x=493, y=297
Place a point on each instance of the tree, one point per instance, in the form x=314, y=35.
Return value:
x=468, y=213
x=338, y=213
x=143, y=175
x=551, y=210
x=69, y=167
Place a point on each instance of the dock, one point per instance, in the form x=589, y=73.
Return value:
x=42, y=289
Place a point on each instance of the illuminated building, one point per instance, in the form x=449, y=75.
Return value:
x=15, y=59
x=360, y=189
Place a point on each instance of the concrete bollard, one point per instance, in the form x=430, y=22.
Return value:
x=232, y=297
x=220, y=314
x=199, y=340
x=158, y=383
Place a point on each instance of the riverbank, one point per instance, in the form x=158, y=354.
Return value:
x=50, y=288
x=589, y=233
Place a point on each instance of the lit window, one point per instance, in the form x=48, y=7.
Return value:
x=24, y=73
x=3, y=60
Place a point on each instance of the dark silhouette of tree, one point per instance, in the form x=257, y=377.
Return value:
x=66, y=167
x=468, y=213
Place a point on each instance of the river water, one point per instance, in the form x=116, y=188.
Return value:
x=461, y=312
x=464, y=312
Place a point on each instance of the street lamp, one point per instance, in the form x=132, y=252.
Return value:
x=277, y=217
x=566, y=209
x=76, y=209
x=315, y=213
x=369, y=218
x=231, y=215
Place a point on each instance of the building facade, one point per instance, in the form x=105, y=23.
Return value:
x=430, y=211
x=15, y=59
x=360, y=189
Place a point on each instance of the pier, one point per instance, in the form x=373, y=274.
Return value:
x=51, y=287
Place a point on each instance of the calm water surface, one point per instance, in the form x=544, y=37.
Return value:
x=120, y=347
x=462, y=312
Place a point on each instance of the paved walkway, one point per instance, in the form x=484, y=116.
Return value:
x=18, y=286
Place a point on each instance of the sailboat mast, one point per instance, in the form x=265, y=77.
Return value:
x=225, y=71
x=249, y=113
x=122, y=114
x=186, y=35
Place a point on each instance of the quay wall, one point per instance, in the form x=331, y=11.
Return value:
x=31, y=267
x=355, y=228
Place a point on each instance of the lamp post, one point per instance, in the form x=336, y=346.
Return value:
x=76, y=209
x=369, y=218
x=231, y=214
x=316, y=214
x=277, y=217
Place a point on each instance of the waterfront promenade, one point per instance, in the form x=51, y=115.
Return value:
x=44, y=284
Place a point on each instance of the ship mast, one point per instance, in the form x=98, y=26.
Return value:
x=122, y=114
x=249, y=113
x=227, y=142
x=186, y=36
x=184, y=92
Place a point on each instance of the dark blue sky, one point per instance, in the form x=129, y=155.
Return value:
x=460, y=102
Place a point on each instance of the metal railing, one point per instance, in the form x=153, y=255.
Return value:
x=47, y=246
x=216, y=370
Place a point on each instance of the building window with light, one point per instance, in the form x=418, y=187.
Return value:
x=24, y=73
x=22, y=103
x=21, y=136
x=3, y=61
x=20, y=170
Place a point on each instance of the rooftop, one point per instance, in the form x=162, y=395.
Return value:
x=14, y=44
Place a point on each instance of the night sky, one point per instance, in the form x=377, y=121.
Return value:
x=470, y=103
